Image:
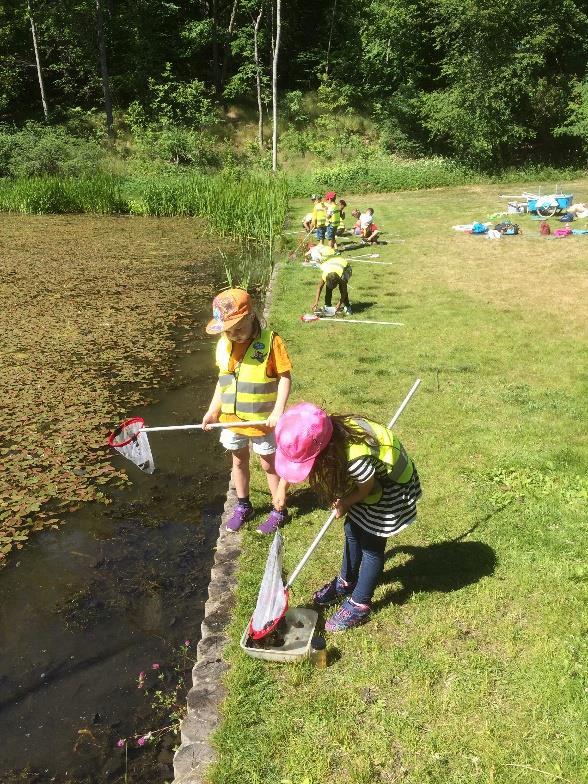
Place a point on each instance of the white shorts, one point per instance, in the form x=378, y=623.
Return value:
x=262, y=445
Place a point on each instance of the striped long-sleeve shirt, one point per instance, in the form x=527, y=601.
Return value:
x=397, y=506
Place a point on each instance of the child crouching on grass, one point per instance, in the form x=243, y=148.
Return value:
x=362, y=469
x=335, y=273
x=254, y=383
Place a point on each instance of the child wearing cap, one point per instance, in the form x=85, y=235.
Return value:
x=253, y=384
x=335, y=273
x=363, y=470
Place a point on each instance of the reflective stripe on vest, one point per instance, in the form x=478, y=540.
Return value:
x=338, y=267
x=389, y=451
x=247, y=392
x=334, y=217
x=320, y=214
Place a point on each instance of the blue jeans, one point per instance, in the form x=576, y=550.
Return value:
x=363, y=560
x=320, y=232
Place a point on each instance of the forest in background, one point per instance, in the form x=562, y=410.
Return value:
x=176, y=84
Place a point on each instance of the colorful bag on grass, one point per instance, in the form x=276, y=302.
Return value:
x=479, y=228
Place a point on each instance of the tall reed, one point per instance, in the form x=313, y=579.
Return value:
x=251, y=207
x=100, y=195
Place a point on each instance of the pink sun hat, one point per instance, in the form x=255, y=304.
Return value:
x=302, y=433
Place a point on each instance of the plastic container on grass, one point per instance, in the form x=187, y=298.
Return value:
x=300, y=625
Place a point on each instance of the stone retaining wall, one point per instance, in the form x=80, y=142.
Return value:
x=207, y=693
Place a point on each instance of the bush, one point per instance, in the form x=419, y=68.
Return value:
x=38, y=150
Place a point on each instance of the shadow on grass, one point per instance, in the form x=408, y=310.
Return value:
x=442, y=567
x=360, y=307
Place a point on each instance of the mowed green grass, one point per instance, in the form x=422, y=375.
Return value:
x=474, y=666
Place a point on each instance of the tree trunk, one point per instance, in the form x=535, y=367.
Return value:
x=38, y=61
x=227, y=52
x=275, y=87
x=331, y=35
x=104, y=68
x=258, y=79
x=216, y=75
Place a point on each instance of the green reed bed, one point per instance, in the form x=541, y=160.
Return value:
x=57, y=195
x=246, y=207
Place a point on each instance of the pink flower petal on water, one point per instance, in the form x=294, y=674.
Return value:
x=155, y=666
x=120, y=743
x=141, y=742
x=186, y=643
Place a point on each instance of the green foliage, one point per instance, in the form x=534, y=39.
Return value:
x=39, y=149
x=178, y=102
x=577, y=122
x=99, y=195
x=179, y=146
x=376, y=173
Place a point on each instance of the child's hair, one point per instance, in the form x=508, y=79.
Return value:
x=356, y=213
x=329, y=477
x=332, y=280
x=370, y=210
x=342, y=202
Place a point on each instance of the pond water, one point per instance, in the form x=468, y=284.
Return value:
x=85, y=608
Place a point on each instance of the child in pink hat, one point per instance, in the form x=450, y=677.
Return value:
x=362, y=469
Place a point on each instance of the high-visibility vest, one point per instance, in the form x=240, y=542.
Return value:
x=334, y=217
x=333, y=265
x=247, y=392
x=320, y=214
x=389, y=450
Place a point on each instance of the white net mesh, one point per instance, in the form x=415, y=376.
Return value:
x=272, y=601
x=133, y=444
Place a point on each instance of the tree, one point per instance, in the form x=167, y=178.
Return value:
x=258, y=78
x=104, y=68
x=38, y=61
x=276, y=51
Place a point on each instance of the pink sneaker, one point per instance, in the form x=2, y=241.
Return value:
x=239, y=517
x=274, y=520
x=347, y=616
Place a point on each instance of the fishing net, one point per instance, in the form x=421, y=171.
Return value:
x=272, y=600
x=131, y=442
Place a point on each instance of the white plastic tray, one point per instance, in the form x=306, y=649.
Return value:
x=296, y=639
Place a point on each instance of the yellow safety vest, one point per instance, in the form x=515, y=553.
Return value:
x=247, y=392
x=320, y=214
x=335, y=266
x=389, y=450
x=335, y=217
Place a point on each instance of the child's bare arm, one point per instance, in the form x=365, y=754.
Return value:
x=362, y=490
x=214, y=408
x=284, y=384
x=318, y=295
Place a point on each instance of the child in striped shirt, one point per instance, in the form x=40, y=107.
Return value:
x=362, y=469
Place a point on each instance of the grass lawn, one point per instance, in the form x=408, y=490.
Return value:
x=474, y=666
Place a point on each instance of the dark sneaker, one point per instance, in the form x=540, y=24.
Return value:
x=347, y=616
x=274, y=520
x=239, y=517
x=332, y=592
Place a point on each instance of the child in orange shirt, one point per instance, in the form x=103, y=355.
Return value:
x=254, y=383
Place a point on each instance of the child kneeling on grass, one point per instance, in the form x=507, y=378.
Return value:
x=335, y=273
x=254, y=383
x=362, y=469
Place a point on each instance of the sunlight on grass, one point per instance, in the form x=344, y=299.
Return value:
x=473, y=667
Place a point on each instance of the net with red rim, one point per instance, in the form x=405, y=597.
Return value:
x=272, y=600
x=131, y=442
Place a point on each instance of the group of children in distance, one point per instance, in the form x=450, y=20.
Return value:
x=327, y=221
x=356, y=465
